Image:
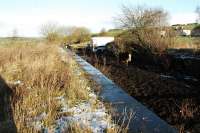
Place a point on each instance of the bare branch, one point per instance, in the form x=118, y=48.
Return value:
x=141, y=16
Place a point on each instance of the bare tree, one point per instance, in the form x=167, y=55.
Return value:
x=144, y=26
x=71, y=34
x=65, y=33
x=50, y=31
x=142, y=16
x=80, y=34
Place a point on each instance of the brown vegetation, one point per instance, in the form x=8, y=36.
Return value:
x=146, y=27
x=37, y=75
x=55, y=33
x=172, y=100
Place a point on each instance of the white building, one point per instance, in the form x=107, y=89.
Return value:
x=185, y=32
x=100, y=42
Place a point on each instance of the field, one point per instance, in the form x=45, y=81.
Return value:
x=186, y=42
x=42, y=87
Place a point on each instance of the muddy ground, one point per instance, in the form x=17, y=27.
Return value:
x=174, y=99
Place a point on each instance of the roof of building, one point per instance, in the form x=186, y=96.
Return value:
x=102, y=41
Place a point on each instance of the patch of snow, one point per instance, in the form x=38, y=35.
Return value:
x=40, y=117
x=86, y=116
x=18, y=82
x=89, y=114
x=187, y=57
x=59, y=97
x=92, y=95
x=166, y=76
x=190, y=78
x=38, y=125
x=88, y=88
x=188, y=86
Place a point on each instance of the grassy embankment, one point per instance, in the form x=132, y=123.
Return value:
x=186, y=42
x=32, y=76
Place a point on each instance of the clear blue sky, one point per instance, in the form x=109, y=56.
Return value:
x=27, y=15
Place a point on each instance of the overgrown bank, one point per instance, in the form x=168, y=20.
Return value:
x=42, y=88
x=174, y=101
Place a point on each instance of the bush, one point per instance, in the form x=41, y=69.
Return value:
x=149, y=39
x=145, y=27
x=50, y=31
x=53, y=32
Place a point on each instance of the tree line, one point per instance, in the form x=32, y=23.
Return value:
x=145, y=26
x=66, y=34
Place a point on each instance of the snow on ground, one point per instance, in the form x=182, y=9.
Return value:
x=89, y=114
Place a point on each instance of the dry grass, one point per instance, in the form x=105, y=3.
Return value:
x=37, y=74
x=186, y=43
x=76, y=128
x=122, y=122
x=188, y=109
x=42, y=76
x=104, y=69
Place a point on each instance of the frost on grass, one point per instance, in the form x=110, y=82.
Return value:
x=90, y=114
x=87, y=114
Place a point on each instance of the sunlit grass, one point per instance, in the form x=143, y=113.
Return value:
x=186, y=42
x=42, y=77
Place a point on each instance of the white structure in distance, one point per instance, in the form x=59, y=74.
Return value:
x=99, y=43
